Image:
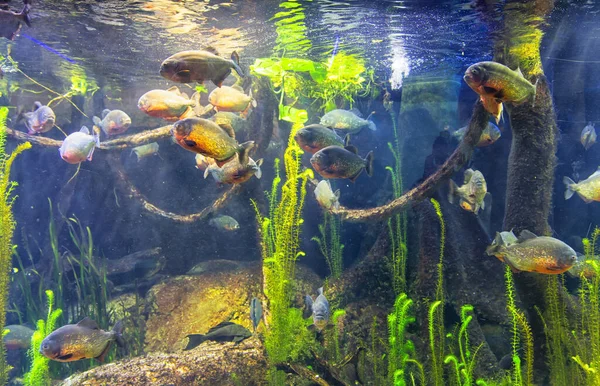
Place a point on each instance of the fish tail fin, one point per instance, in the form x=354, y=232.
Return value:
x=244, y=150
x=369, y=165
x=569, y=183
x=452, y=191
x=196, y=100
x=118, y=333
x=235, y=59
x=25, y=15
x=194, y=340
x=371, y=123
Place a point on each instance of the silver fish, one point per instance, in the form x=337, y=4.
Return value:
x=79, y=146
x=40, y=120
x=588, y=136
x=319, y=308
x=113, y=122
x=346, y=121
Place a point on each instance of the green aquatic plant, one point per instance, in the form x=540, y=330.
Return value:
x=330, y=243
x=39, y=374
x=521, y=331
x=436, y=313
x=401, y=351
x=7, y=227
x=335, y=321
x=397, y=226
x=280, y=246
x=464, y=364
x=584, y=344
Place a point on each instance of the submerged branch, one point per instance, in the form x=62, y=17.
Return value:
x=460, y=156
x=132, y=192
x=120, y=143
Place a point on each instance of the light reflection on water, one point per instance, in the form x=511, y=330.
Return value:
x=124, y=42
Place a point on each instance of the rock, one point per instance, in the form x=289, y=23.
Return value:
x=210, y=363
x=186, y=305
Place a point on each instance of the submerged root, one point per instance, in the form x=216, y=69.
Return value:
x=126, y=142
x=132, y=192
x=456, y=161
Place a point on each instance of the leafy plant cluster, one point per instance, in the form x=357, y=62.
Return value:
x=39, y=374
x=331, y=85
x=330, y=243
x=7, y=227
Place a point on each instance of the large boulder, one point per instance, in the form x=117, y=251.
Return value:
x=210, y=363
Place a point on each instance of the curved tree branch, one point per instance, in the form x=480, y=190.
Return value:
x=132, y=192
x=119, y=143
x=460, y=156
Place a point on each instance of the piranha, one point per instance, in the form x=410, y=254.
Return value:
x=313, y=138
x=40, y=120
x=490, y=134
x=146, y=150
x=231, y=99
x=255, y=312
x=113, y=122
x=227, y=223
x=79, y=146
x=588, y=136
x=325, y=195
x=495, y=83
x=170, y=105
x=199, y=66
x=319, y=309
x=347, y=121
x=17, y=337
x=472, y=194
x=205, y=137
x=10, y=22
x=341, y=162
x=233, y=172
x=224, y=332
x=83, y=340
x=531, y=253
x=588, y=189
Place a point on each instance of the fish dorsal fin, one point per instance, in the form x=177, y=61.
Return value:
x=228, y=129
x=526, y=235
x=212, y=50
x=237, y=87
x=351, y=149
x=519, y=72
x=105, y=112
x=84, y=130
x=88, y=323
x=36, y=105
x=174, y=90
x=220, y=325
x=320, y=291
x=468, y=175
x=356, y=112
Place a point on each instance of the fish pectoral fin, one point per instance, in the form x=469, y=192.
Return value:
x=65, y=357
x=189, y=142
x=490, y=90
x=238, y=339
